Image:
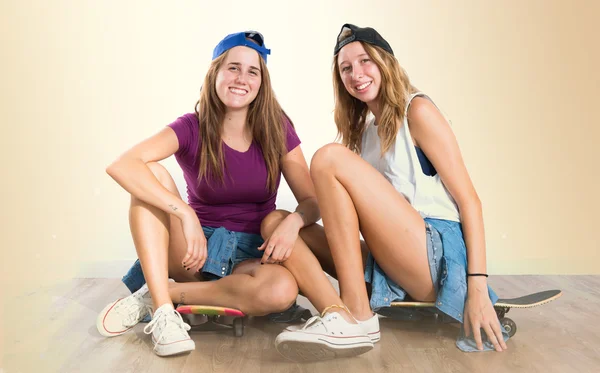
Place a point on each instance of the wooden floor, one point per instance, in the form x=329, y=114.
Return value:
x=53, y=330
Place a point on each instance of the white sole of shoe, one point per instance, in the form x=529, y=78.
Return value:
x=176, y=348
x=375, y=336
x=299, y=350
x=101, y=326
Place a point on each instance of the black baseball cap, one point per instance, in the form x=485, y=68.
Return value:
x=364, y=34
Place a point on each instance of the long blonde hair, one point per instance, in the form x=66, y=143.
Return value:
x=350, y=114
x=266, y=121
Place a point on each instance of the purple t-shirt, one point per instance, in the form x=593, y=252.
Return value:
x=241, y=203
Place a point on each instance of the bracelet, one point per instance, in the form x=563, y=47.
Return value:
x=336, y=306
x=477, y=274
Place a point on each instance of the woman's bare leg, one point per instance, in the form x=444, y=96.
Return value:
x=315, y=238
x=159, y=242
x=354, y=197
x=252, y=288
x=305, y=266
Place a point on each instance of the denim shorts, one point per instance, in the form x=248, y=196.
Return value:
x=435, y=252
x=225, y=250
x=447, y=254
x=385, y=290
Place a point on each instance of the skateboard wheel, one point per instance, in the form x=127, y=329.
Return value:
x=501, y=311
x=238, y=327
x=509, y=325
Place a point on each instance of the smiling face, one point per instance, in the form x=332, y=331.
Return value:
x=239, y=78
x=359, y=74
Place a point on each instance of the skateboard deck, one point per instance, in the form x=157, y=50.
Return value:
x=216, y=313
x=293, y=314
x=502, y=306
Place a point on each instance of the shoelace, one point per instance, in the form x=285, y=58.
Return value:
x=135, y=311
x=162, y=320
x=315, y=321
x=312, y=320
x=319, y=318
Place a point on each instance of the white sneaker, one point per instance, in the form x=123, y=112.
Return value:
x=370, y=326
x=123, y=314
x=323, y=338
x=169, y=332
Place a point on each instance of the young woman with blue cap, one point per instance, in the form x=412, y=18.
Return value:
x=232, y=151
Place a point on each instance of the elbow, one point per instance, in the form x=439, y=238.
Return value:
x=113, y=169
x=109, y=169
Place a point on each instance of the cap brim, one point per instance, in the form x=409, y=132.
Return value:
x=256, y=36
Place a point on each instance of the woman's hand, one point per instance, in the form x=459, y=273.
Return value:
x=480, y=314
x=196, y=242
x=278, y=247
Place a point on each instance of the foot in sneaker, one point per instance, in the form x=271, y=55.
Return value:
x=123, y=314
x=370, y=326
x=169, y=332
x=323, y=338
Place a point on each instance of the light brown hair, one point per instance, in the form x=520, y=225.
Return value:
x=350, y=113
x=266, y=121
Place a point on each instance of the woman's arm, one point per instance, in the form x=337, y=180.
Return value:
x=433, y=135
x=295, y=171
x=278, y=247
x=130, y=171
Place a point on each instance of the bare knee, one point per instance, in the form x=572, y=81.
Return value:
x=278, y=294
x=160, y=172
x=271, y=221
x=163, y=176
x=326, y=157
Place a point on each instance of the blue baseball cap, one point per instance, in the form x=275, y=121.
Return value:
x=241, y=38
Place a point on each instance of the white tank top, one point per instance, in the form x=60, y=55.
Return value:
x=401, y=167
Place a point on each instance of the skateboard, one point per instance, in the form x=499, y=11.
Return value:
x=293, y=314
x=215, y=314
x=502, y=307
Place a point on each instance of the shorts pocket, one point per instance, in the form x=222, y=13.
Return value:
x=453, y=277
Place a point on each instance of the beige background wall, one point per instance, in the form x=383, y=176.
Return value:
x=82, y=81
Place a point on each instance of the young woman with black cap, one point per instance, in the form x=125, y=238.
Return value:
x=398, y=178
x=232, y=151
